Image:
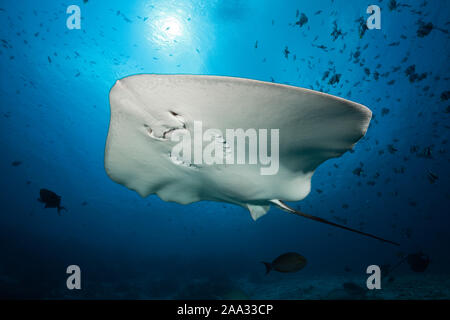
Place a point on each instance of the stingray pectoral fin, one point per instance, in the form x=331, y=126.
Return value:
x=257, y=211
x=285, y=207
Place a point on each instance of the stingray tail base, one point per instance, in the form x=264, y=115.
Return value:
x=268, y=266
x=285, y=207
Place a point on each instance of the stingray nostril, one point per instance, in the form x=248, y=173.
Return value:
x=149, y=130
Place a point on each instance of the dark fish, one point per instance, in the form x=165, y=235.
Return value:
x=335, y=79
x=16, y=163
x=286, y=52
x=445, y=95
x=392, y=149
x=424, y=29
x=362, y=28
x=418, y=261
x=393, y=5
x=432, y=177
x=427, y=152
x=303, y=20
x=51, y=200
x=336, y=33
x=413, y=75
x=288, y=262
x=358, y=171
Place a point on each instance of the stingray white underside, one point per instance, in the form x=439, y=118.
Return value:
x=146, y=109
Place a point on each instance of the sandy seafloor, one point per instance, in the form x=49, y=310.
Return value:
x=407, y=286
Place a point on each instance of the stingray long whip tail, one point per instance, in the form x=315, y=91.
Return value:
x=285, y=207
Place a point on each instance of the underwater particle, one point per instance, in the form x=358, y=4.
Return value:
x=84, y=203
x=347, y=269
x=384, y=111
x=16, y=163
x=256, y=44
x=49, y=59
x=432, y=177
x=51, y=200
x=287, y=262
x=302, y=21
x=286, y=52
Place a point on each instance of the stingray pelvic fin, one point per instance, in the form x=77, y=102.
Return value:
x=257, y=211
x=285, y=207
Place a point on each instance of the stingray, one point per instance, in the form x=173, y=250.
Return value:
x=148, y=111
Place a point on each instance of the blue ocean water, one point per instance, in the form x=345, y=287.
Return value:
x=54, y=88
